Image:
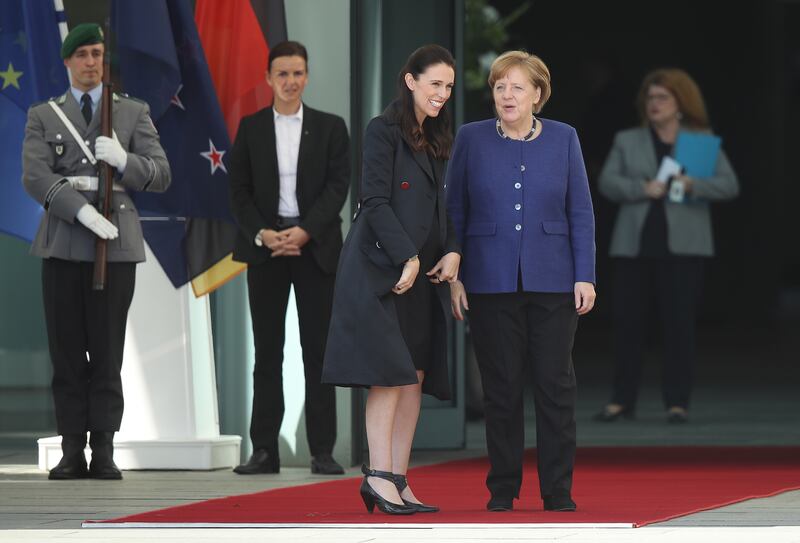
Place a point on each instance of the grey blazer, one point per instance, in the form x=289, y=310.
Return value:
x=631, y=162
x=50, y=154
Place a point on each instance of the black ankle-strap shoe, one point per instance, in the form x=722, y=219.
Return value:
x=372, y=498
x=401, y=483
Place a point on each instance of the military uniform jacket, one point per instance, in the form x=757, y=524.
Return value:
x=50, y=154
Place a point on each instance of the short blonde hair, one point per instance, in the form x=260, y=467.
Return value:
x=537, y=71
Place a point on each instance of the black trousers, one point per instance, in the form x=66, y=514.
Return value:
x=268, y=288
x=509, y=332
x=86, y=336
x=674, y=285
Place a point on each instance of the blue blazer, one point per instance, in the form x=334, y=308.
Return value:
x=521, y=208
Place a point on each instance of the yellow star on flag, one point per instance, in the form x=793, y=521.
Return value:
x=10, y=77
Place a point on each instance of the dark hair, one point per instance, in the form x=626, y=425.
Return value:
x=436, y=134
x=287, y=49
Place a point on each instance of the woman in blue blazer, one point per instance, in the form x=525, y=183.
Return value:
x=519, y=199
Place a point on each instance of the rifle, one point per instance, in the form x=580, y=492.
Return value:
x=106, y=172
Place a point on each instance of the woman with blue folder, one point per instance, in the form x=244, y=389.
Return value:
x=662, y=234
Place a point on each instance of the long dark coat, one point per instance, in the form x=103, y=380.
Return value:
x=398, y=198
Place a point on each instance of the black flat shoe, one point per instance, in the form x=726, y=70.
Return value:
x=401, y=483
x=677, y=415
x=607, y=415
x=500, y=503
x=261, y=461
x=324, y=464
x=559, y=503
x=372, y=498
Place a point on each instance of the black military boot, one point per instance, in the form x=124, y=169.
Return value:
x=73, y=461
x=102, y=465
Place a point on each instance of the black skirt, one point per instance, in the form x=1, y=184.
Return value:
x=418, y=307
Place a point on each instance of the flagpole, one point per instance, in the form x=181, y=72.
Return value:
x=63, y=29
x=62, y=23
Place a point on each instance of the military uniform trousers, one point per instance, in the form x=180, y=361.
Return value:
x=86, y=333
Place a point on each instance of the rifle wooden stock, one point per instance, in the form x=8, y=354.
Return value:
x=105, y=185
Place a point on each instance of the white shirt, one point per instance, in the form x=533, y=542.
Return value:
x=288, y=129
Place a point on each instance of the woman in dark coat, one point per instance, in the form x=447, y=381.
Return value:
x=388, y=327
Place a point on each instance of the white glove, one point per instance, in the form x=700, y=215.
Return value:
x=110, y=151
x=94, y=221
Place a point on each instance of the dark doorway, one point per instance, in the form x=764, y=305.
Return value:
x=746, y=61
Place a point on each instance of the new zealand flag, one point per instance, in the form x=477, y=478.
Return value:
x=161, y=61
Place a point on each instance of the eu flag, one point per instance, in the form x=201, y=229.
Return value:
x=31, y=70
x=161, y=61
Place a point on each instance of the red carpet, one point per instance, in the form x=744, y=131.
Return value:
x=636, y=486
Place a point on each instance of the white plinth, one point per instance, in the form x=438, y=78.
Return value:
x=222, y=452
x=171, y=419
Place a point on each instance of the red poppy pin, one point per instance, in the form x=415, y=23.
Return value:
x=405, y=185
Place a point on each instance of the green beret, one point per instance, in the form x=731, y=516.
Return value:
x=83, y=34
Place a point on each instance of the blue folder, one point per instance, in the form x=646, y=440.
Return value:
x=697, y=153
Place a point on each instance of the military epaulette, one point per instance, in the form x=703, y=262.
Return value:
x=57, y=99
x=118, y=96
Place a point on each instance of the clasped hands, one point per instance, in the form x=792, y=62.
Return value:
x=285, y=242
x=445, y=271
x=655, y=189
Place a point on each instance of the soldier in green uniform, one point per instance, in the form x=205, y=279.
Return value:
x=85, y=327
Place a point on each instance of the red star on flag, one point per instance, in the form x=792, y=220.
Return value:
x=176, y=100
x=214, y=156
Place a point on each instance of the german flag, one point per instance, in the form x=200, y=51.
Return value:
x=236, y=37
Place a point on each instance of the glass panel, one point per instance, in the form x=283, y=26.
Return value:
x=25, y=401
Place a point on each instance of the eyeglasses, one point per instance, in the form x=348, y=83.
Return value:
x=658, y=97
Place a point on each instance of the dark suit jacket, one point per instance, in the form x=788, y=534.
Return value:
x=398, y=199
x=323, y=174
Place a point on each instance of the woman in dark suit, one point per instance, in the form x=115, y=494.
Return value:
x=388, y=328
x=659, y=244
x=519, y=199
